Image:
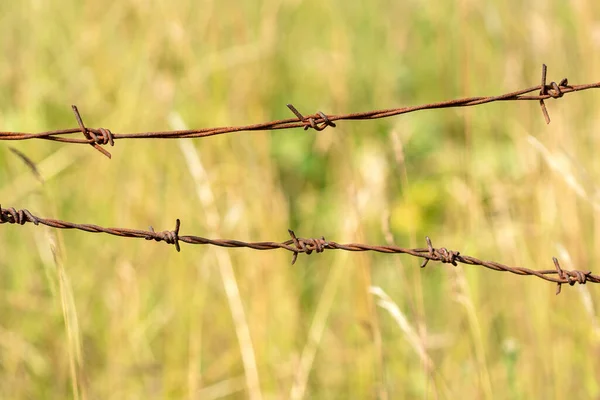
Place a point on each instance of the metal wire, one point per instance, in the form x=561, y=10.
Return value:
x=319, y=121
x=297, y=245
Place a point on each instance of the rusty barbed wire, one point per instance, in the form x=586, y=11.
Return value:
x=297, y=245
x=98, y=137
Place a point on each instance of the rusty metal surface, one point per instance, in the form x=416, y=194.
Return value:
x=98, y=137
x=297, y=245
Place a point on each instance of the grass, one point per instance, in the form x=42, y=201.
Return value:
x=104, y=317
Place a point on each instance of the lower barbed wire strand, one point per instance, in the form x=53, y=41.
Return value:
x=299, y=245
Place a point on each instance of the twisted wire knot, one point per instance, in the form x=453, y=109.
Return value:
x=442, y=254
x=554, y=89
x=307, y=245
x=106, y=136
x=100, y=136
x=170, y=237
x=311, y=122
x=447, y=256
x=571, y=277
x=557, y=89
x=12, y=216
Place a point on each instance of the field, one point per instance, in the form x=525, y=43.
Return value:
x=88, y=316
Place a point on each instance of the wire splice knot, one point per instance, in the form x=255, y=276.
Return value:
x=20, y=217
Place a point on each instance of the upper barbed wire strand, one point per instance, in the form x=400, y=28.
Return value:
x=98, y=137
x=297, y=245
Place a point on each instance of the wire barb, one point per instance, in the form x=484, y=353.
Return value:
x=310, y=122
x=307, y=246
x=318, y=121
x=571, y=277
x=442, y=254
x=170, y=237
x=556, y=91
x=92, y=134
x=297, y=245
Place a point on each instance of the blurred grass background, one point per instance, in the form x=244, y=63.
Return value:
x=86, y=316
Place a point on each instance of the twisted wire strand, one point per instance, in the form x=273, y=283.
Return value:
x=98, y=137
x=297, y=245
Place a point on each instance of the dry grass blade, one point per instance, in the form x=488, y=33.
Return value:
x=384, y=301
x=236, y=307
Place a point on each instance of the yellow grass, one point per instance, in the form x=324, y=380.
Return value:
x=90, y=316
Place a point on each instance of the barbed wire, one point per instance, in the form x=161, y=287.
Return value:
x=297, y=245
x=98, y=137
